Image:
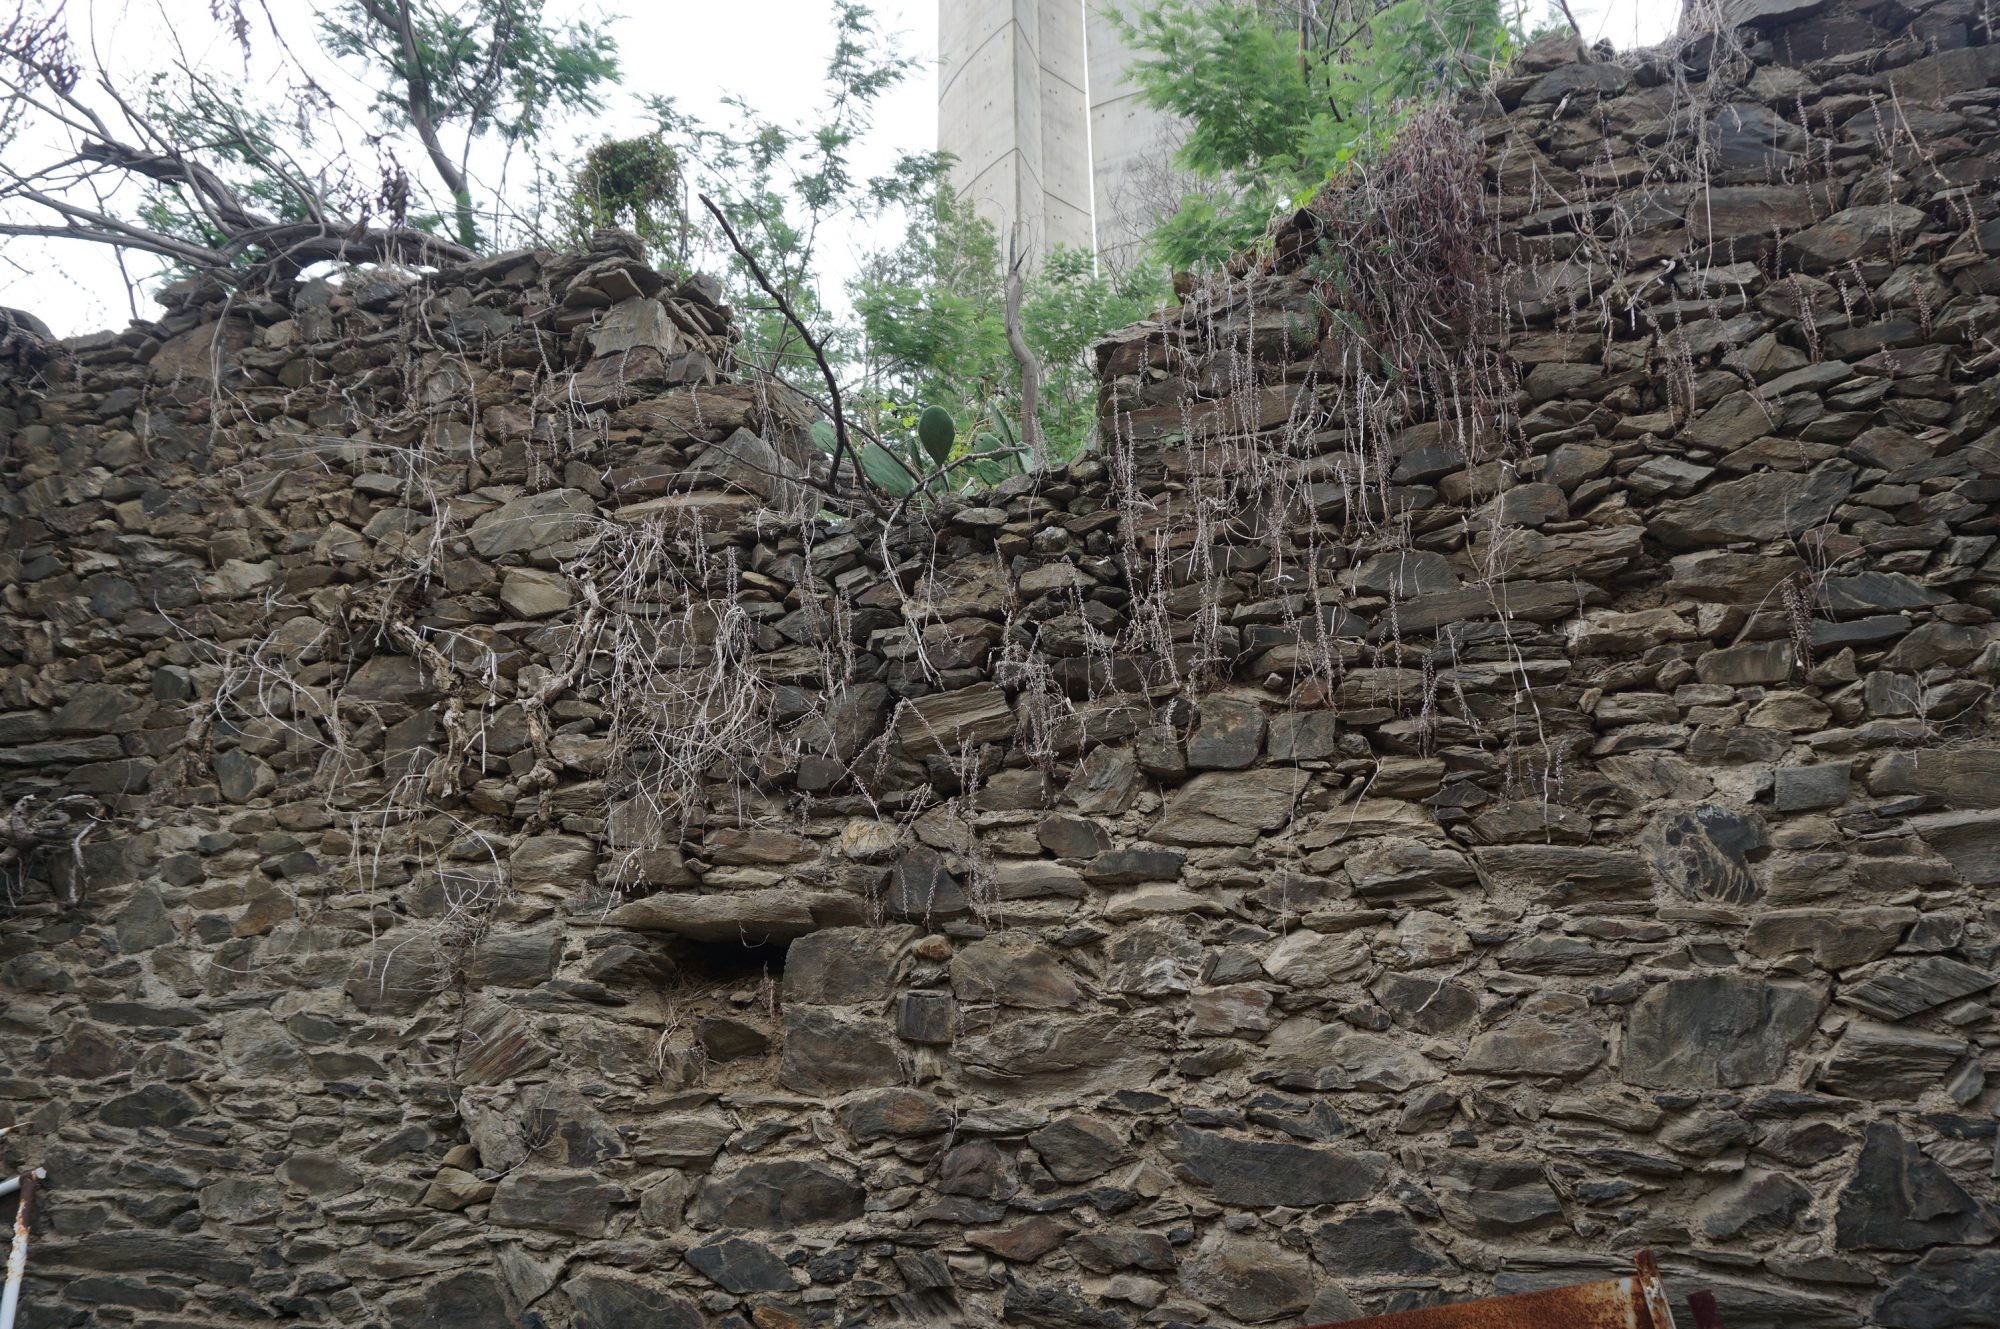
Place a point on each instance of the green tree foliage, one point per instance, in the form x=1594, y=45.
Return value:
x=1071, y=304
x=932, y=314
x=258, y=173
x=460, y=70
x=1279, y=97
x=781, y=184
x=929, y=312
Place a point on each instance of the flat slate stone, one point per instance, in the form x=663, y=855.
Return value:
x=1899, y=1200
x=1303, y=736
x=561, y=1201
x=1835, y=938
x=1533, y=601
x=1403, y=574
x=939, y=724
x=1335, y=1056
x=1014, y=969
x=1408, y=871
x=1766, y=506
x=1528, y=1045
x=1426, y=1004
x=846, y=966
x=1716, y=1031
x=1056, y=1306
x=1751, y=1204
x=240, y=1200
x=681, y=1139
x=892, y=1114
x=1491, y=1197
x=1249, y=1279
x=1877, y=593
x=1024, y=1242
x=1072, y=837
x=515, y=959
x=1808, y=788
x=1971, y=840
x=151, y=1106
x=1109, y=1249
x=1872, y=230
x=1135, y=864
x=1078, y=1147
x=1947, y=1289
x=144, y=922
x=469, y=1299
x=1312, y=960
x=1899, y=988
x=1050, y=1048
x=1263, y=1172
x=1228, y=737
x=1883, y=1061
x=923, y=889
x=533, y=523
x=1753, y=662
x=1229, y=807
x=829, y=1051
x=739, y=1265
x=1558, y=873
x=924, y=1017
x=1962, y=777
x=635, y=322
x=777, y=1196
x=607, y=1300
x=1376, y=1243
x=1748, y=212
x=1155, y=958
x=764, y=915
x=1105, y=783
x=1577, y=81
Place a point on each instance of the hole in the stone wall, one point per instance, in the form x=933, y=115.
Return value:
x=727, y=964
x=723, y=1001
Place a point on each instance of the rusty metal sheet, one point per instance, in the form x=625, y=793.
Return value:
x=1637, y=1302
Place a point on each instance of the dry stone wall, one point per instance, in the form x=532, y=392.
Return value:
x=1477, y=775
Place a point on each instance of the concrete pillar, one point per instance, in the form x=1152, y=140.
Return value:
x=1011, y=110
x=1130, y=143
x=1066, y=167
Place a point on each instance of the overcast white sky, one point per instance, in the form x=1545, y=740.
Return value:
x=772, y=52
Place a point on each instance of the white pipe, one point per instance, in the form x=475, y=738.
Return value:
x=12, y=1184
x=17, y=1255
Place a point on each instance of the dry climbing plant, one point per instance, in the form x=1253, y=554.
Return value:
x=1302, y=375
x=403, y=802
x=1396, y=331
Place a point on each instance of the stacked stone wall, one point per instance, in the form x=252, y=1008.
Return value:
x=1377, y=831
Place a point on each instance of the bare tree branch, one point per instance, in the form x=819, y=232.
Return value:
x=840, y=438
x=104, y=157
x=224, y=193
x=226, y=210
x=102, y=228
x=1030, y=364
x=395, y=15
x=1574, y=26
